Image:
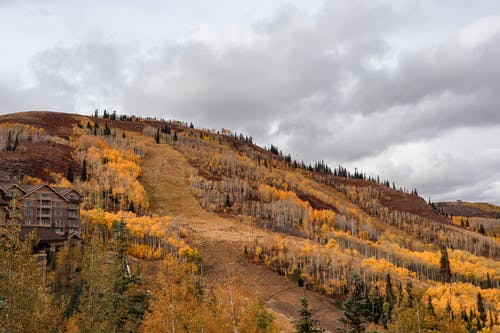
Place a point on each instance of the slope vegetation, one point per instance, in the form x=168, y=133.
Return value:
x=222, y=239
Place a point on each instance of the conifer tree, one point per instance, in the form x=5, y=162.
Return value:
x=157, y=135
x=69, y=174
x=355, y=308
x=481, y=230
x=480, y=308
x=444, y=262
x=305, y=323
x=83, y=175
x=389, y=299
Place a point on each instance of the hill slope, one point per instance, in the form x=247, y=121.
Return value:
x=251, y=211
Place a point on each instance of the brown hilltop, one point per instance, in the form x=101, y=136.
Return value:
x=469, y=209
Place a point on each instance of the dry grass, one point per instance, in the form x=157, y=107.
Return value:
x=222, y=239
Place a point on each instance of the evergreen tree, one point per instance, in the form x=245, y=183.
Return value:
x=131, y=207
x=16, y=144
x=481, y=228
x=409, y=291
x=83, y=175
x=444, y=262
x=107, y=130
x=305, y=323
x=157, y=135
x=69, y=174
x=10, y=145
x=389, y=300
x=480, y=308
x=355, y=308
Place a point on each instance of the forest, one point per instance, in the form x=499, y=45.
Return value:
x=390, y=269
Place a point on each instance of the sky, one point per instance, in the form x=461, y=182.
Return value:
x=408, y=90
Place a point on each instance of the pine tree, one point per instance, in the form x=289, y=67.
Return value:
x=481, y=230
x=444, y=262
x=157, y=135
x=389, y=300
x=480, y=308
x=356, y=308
x=9, y=146
x=409, y=291
x=305, y=323
x=83, y=175
x=69, y=174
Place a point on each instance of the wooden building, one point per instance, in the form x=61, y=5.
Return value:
x=53, y=213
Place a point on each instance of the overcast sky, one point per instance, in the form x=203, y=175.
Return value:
x=409, y=90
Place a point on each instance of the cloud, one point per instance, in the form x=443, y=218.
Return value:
x=338, y=84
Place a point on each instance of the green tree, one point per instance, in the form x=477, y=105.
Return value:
x=69, y=174
x=444, y=263
x=480, y=309
x=481, y=230
x=83, y=175
x=157, y=136
x=305, y=323
x=389, y=300
x=356, y=308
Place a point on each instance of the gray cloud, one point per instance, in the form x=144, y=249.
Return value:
x=345, y=84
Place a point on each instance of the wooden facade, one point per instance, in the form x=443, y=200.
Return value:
x=52, y=212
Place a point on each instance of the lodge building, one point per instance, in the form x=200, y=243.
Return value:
x=53, y=213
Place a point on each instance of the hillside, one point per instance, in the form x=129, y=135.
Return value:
x=469, y=209
x=287, y=229
x=478, y=216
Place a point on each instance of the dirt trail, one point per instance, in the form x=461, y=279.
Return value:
x=221, y=240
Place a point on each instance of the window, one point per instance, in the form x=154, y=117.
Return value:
x=45, y=195
x=45, y=221
x=58, y=212
x=46, y=203
x=58, y=204
x=28, y=212
x=73, y=223
x=73, y=214
x=45, y=211
x=29, y=203
x=28, y=222
x=60, y=231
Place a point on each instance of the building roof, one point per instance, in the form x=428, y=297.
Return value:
x=28, y=189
